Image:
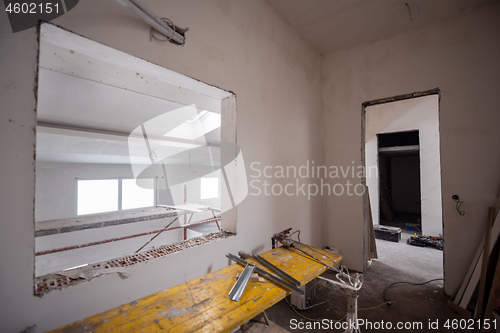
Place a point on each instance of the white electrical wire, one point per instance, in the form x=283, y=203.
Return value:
x=168, y=38
x=160, y=25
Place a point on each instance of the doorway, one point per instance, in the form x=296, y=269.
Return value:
x=400, y=150
x=399, y=177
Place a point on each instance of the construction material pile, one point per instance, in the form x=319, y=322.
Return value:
x=423, y=241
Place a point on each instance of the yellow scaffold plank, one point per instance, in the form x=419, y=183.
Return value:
x=203, y=304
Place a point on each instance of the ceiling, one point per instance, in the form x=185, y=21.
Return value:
x=329, y=25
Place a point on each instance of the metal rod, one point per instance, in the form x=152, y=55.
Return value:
x=158, y=234
x=62, y=249
x=266, y=274
x=276, y=270
x=240, y=285
x=317, y=259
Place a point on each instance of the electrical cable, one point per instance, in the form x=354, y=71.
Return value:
x=389, y=302
x=409, y=12
x=152, y=31
x=295, y=310
x=315, y=305
x=373, y=307
x=162, y=25
x=312, y=306
x=333, y=261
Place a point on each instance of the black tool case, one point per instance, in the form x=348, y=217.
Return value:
x=392, y=234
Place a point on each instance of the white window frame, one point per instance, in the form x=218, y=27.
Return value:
x=218, y=189
x=120, y=179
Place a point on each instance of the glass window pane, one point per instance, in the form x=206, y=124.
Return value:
x=97, y=196
x=134, y=196
x=209, y=188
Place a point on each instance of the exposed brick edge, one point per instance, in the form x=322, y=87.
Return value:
x=46, y=283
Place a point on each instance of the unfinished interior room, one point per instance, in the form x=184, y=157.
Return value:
x=250, y=166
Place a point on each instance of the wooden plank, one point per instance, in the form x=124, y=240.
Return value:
x=493, y=297
x=464, y=313
x=484, y=265
x=203, y=304
x=497, y=208
x=458, y=297
x=465, y=282
x=475, y=275
x=371, y=232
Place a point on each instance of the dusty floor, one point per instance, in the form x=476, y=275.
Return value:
x=414, y=306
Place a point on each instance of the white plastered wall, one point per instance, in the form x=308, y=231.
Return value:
x=411, y=114
x=56, y=185
x=241, y=46
x=460, y=57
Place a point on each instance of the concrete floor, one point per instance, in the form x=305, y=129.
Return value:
x=412, y=305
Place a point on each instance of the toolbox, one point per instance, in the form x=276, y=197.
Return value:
x=392, y=234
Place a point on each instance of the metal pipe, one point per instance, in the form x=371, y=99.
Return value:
x=289, y=244
x=266, y=275
x=313, y=257
x=158, y=234
x=62, y=249
x=278, y=271
x=141, y=10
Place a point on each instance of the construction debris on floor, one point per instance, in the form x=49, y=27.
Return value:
x=424, y=241
x=484, y=272
x=403, y=286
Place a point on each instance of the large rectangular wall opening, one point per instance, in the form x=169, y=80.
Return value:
x=129, y=158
